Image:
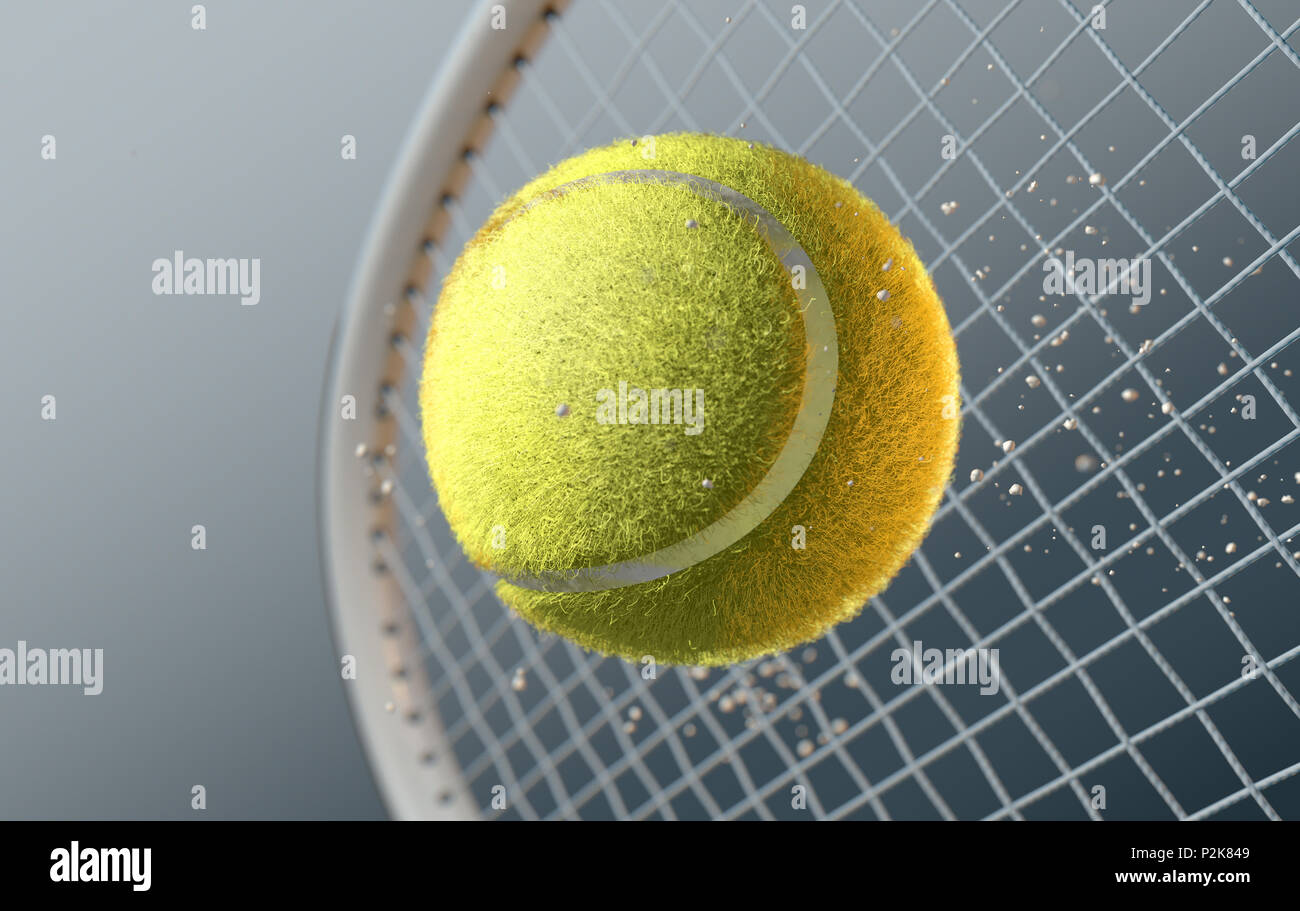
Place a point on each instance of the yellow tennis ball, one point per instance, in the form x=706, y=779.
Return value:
x=689, y=397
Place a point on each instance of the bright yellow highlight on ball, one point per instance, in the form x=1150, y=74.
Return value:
x=690, y=397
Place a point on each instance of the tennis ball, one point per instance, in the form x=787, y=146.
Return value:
x=689, y=397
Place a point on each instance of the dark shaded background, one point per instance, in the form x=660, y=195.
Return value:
x=184, y=410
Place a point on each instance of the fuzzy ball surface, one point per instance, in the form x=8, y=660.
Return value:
x=626, y=411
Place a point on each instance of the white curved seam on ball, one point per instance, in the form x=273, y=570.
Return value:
x=801, y=445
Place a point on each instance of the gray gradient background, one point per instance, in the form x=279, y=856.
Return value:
x=182, y=410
